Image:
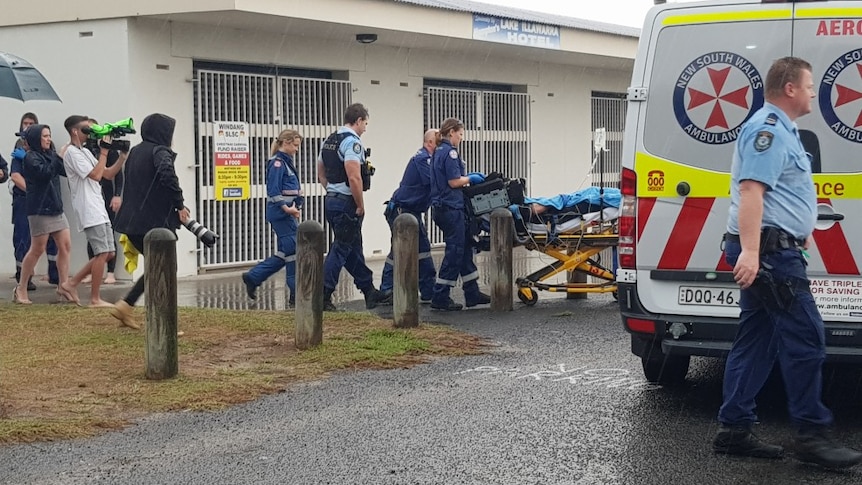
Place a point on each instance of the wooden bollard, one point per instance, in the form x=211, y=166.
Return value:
x=310, y=244
x=577, y=278
x=502, y=229
x=405, y=289
x=160, y=290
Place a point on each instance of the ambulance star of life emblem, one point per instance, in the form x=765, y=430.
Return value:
x=714, y=95
x=840, y=91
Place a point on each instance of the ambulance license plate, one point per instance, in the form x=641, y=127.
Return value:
x=703, y=295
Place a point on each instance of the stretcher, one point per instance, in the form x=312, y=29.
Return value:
x=574, y=229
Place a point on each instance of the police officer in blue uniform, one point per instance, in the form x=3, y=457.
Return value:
x=20, y=224
x=283, y=208
x=448, y=174
x=342, y=171
x=413, y=197
x=772, y=216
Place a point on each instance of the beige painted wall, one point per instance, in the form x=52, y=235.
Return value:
x=560, y=151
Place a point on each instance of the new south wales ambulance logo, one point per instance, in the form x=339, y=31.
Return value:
x=715, y=94
x=840, y=96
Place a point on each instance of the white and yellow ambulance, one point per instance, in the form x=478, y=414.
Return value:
x=698, y=75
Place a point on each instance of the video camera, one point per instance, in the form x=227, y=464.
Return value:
x=114, y=130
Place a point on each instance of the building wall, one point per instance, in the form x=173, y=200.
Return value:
x=561, y=149
x=90, y=74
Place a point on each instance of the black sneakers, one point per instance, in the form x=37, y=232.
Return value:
x=739, y=440
x=250, y=287
x=817, y=448
x=374, y=297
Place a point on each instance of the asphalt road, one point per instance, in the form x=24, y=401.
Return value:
x=558, y=399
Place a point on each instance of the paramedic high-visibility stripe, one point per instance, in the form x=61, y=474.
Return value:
x=685, y=234
x=834, y=250
x=716, y=17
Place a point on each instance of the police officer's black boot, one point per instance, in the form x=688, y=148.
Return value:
x=328, y=306
x=739, y=440
x=374, y=297
x=815, y=446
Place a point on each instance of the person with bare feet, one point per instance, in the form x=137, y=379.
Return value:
x=42, y=169
x=84, y=172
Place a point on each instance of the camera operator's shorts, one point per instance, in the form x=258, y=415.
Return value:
x=41, y=225
x=100, y=238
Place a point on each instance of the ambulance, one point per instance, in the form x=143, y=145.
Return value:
x=698, y=75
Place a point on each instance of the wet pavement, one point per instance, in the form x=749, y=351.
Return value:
x=557, y=399
x=226, y=289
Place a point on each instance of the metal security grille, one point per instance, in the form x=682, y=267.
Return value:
x=609, y=112
x=497, y=131
x=268, y=104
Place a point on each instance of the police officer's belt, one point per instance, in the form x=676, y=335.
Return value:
x=771, y=240
x=339, y=196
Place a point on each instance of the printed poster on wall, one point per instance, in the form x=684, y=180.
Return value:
x=231, y=160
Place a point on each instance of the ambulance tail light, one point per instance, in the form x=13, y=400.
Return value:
x=628, y=216
x=640, y=325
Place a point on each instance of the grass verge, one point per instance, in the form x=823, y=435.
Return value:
x=68, y=372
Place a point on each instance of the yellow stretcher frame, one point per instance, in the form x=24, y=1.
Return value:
x=573, y=252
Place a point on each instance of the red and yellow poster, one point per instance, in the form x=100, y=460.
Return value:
x=231, y=160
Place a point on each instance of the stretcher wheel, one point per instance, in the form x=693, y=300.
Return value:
x=528, y=296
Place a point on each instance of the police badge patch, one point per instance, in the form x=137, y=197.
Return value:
x=763, y=141
x=357, y=148
x=453, y=153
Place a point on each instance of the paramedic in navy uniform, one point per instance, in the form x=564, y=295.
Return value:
x=413, y=197
x=448, y=174
x=339, y=170
x=772, y=216
x=283, y=208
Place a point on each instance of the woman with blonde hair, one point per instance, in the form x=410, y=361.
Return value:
x=283, y=209
x=448, y=176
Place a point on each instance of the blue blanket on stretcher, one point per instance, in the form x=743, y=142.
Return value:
x=590, y=196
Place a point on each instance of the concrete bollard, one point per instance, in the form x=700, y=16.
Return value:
x=310, y=244
x=160, y=290
x=405, y=290
x=502, y=229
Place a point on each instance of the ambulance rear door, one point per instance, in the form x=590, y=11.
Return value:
x=705, y=77
x=829, y=36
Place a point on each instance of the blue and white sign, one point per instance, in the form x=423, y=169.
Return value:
x=517, y=32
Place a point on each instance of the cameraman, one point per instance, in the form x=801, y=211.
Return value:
x=152, y=197
x=85, y=172
x=112, y=188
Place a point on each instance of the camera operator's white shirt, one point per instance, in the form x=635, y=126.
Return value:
x=87, y=199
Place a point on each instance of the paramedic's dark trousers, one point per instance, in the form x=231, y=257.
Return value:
x=458, y=258
x=21, y=240
x=427, y=272
x=345, y=252
x=794, y=337
x=285, y=227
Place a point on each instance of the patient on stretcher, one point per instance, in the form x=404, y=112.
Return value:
x=566, y=213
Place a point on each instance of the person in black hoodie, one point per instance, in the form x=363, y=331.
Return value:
x=152, y=198
x=42, y=171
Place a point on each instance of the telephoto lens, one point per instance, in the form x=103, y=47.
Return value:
x=203, y=234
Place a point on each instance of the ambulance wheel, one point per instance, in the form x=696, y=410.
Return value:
x=665, y=369
x=528, y=296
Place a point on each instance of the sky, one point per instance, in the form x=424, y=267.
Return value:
x=623, y=12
